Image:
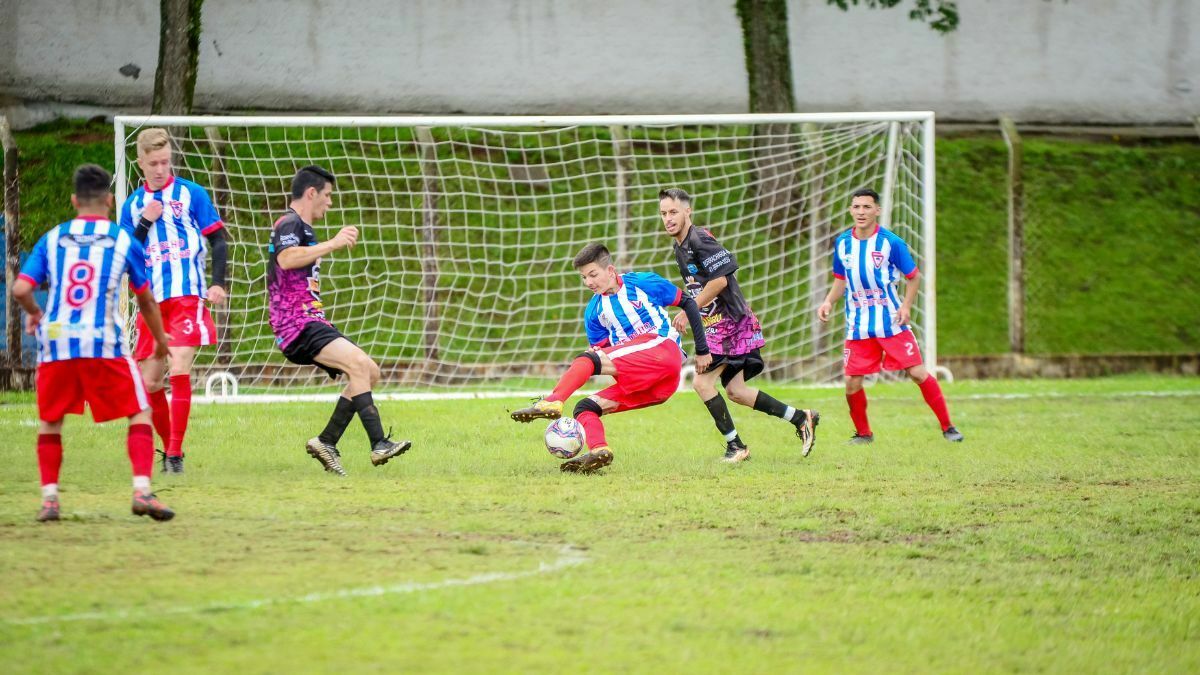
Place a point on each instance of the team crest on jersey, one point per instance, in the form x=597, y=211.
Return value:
x=877, y=257
x=177, y=208
x=692, y=269
x=637, y=304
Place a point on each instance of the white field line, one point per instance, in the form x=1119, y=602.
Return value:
x=568, y=556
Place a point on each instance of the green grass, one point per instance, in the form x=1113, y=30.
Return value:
x=1063, y=536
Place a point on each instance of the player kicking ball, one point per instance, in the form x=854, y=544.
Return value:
x=304, y=334
x=81, y=353
x=632, y=340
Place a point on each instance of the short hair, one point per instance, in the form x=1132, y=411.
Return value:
x=593, y=253
x=678, y=194
x=152, y=139
x=865, y=192
x=91, y=183
x=310, y=176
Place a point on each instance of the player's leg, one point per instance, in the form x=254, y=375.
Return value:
x=180, y=362
x=705, y=386
x=583, y=367
x=154, y=374
x=860, y=358
x=50, y=455
x=900, y=352
x=599, y=455
x=59, y=393
x=363, y=373
x=140, y=446
x=856, y=399
x=734, y=378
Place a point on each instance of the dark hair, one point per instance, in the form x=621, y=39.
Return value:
x=865, y=192
x=310, y=176
x=91, y=183
x=675, y=193
x=593, y=253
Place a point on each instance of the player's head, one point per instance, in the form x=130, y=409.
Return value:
x=675, y=209
x=595, y=265
x=312, y=187
x=92, y=193
x=154, y=156
x=864, y=207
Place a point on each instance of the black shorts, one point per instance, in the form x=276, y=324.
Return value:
x=750, y=364
x=310, y=342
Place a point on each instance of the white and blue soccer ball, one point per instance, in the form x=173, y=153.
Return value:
x=564, y=438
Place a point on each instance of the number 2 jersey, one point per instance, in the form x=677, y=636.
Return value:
x=294, y=295
x=83, y=260
x=872, y=268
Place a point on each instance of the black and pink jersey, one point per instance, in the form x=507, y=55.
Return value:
x=294, y=295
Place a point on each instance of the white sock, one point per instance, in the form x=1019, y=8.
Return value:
x=789, y=414
x=50, y=490
x=142, y=484
x=731, y=435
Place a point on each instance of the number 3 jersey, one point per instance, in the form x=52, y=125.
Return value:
x=83, y=260
x=295, y=295
x=175, y=248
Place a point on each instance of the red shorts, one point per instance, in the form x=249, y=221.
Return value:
x=112, y=388
x=864, y=357
x=647, y=372
x=186, y=321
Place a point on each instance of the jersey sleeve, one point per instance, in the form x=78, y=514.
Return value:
x=715, y=260
x=135, y=265
x=126, y=218
x=660, y=291
x=596, y=333
x=902, y=258
x=204, y=213
x=839, y=270
x=37, y=265
x=289, y=232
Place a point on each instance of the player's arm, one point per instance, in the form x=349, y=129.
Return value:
x=220, y=252
x=902, y=258
x=295, y=257
x=692, y=311
x=911, y=286
x=151, y=212
x=707, y=294
x=33, y=273
x=148, y=309
x=838, y=290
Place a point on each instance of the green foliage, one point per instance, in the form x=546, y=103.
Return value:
x=941, y=15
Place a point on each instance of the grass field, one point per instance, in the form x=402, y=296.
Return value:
x=1063, y=536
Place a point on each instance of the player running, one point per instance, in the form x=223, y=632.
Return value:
x=868, y=261
x=304, y=334
x=732, y=330
x=632, y=340
x=81, y=354
x=176, y=222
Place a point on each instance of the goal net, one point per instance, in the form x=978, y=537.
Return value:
x=462, y=275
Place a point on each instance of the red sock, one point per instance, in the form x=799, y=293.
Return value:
x=932, y=392
x=140, y=443
x=49, y=451
x=592, y=428
x=181, y=408
x=581, y=369
x=160, y=412
x=858, y=412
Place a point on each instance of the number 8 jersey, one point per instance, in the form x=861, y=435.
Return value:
x=84, y=260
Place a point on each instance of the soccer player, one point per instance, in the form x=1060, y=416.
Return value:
x=176, y=222
x=732, y=330
x=304, y=334
x=867, y=264
x=632, y=340
x=81, y=354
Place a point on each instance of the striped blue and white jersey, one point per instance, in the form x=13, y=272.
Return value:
x=84, y=260
x=636, y=308
x=872, y=268
x=175, y=246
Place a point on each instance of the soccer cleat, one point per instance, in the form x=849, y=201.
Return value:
x=736, y=452
x=588, y=462
x=49, y=510
x=327, y=455
x=170, y=464
x=148, y=505
x=541, y=409
x=386, y=449
x=806, y=429
x=952, y=434
x=861, y=439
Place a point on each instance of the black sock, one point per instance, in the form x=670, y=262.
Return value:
x=367, y=412
x=764, y=402
x=338, y=421
x=720, y=414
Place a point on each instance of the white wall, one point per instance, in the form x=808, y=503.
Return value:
x=1046, y=60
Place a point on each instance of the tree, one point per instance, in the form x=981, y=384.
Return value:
x=178, y=57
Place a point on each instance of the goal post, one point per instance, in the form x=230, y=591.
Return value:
x=462, y=276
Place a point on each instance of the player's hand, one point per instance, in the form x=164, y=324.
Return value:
x=347, y=237
x=152, y=211
x=903, y=315
x=703, y=361
x=217, y=295
x=824, y=311
x=160, y=346
x=32, y=321
x=680, y=322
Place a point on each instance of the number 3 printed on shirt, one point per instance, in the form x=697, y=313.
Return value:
x=79, y=284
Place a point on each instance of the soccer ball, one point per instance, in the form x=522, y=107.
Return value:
x=564, y=438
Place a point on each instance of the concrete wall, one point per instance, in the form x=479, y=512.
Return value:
x=1040, y=60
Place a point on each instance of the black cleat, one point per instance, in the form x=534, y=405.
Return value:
x=736, y=451
x=861, y=439
x=386, y=449
x=173, y=464
x=806, y=429
x=148, y=505
x=327, y=455
x=588, y=462
x=953, y=435
x=49, y=511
